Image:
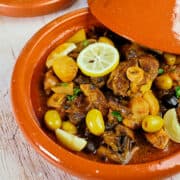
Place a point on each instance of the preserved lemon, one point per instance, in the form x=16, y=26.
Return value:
x=65, y=68
x=171, y=125
x=70, y=141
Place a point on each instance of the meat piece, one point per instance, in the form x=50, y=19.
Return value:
x=150, y=65
x=120, y=145
x=158, y=139
x=112, y=120
x=132, y=122
x=118, y=81
x=130, y=51
x=50, y=81
x=111, y=140
x=77, y=109
x=80, y=79
x=95, y=97
x=98, y=81
x=124, y=131
x=117, y=106
x=116, y=157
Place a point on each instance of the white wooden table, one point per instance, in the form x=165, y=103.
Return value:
x=18, y=160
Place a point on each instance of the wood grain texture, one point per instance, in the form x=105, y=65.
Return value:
x=18, y=160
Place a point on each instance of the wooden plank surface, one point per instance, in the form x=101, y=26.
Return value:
x=18, y=160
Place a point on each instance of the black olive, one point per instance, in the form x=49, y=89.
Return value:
x=170, y=101
x=91, y=146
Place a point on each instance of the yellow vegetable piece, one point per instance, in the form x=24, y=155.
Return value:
x=78, y=36
x=52, y=119
x=65, y=68
x=152, y=101
x=95, y=122
x=56, y=100
x=135, y=74
x=152, y=123
x=62, y=50
x=70, y=141
x=164, y=82
x=69, y=127
x=63, y=88
x=139, y=107
x=170, y=59
x=104, y=39
x=134, y=87
x=98, y=59
x=146, y=87
x=171, y=125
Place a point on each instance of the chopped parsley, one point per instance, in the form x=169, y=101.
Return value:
x=117, y=115
x=177, y=91
x=85, y=43
x=160, y=71
x=76, y=92
x=63, y=84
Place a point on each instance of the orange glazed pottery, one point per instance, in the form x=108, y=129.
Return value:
x=28, y=8
x=155, y=24
x=27, y=105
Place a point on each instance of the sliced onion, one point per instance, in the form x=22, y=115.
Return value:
x=171, y=125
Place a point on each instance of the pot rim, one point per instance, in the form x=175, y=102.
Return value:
x=34, y=8
x=57, y=155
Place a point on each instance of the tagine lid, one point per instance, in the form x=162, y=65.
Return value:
x=155, y=24
x=29, y=8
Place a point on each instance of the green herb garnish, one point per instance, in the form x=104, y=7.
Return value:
x=177, y=90
x=85, y=43
x=62, y=84
x=160, y=71
x=76, y=91
x=117, y=115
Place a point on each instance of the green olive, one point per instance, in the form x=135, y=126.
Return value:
x=69, y=127
x=164, y=82
x=152, y=123
x=95, y=122
x=170, y=59
x=52, y=119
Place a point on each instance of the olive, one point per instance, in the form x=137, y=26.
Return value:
x=52, y=119
x=69, y=127
x=170, y=101
x=95, y=122
x=164, y=82
x=152, y=123
x=91, y=146
x=170, y=59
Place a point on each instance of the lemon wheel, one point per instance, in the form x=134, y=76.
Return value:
x=98, y=59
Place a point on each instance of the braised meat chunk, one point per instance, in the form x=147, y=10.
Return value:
x=118, y=147
x=159, y=139
x=95, y=97
x=150, y=65
x=118, y=81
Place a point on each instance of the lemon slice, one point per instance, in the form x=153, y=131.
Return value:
x=98, y=59
x=70, y=141
x=171, y=125
x=62, y=50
